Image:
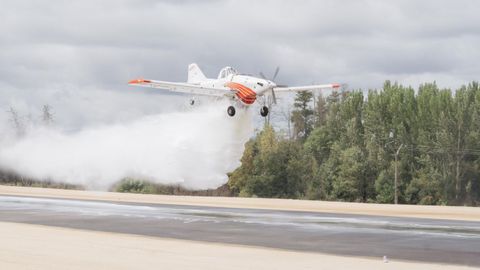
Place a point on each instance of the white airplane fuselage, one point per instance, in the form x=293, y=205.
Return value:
x=247, y=87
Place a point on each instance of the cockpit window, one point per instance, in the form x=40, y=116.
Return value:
x=226, y=71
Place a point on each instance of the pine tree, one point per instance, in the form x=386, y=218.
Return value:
x=302, y=116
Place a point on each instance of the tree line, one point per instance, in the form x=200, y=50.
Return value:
x=351, y=147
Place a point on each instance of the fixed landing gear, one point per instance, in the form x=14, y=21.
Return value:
x=264, y=111
x=231, y=110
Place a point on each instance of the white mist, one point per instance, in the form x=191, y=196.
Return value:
x=195, y=149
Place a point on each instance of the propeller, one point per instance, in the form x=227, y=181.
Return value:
x=273, y=80
x=273, y=77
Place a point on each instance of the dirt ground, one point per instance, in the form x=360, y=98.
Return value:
x=40, y=247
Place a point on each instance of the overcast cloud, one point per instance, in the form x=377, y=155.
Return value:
x=102, y=44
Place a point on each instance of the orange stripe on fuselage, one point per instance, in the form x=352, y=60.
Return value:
x=245, y=94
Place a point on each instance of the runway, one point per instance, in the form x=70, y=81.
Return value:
x=398, y=238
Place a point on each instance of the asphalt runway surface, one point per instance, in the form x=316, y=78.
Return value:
x=425, y=240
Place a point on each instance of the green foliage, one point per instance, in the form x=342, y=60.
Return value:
x=384, y=187
x=346, y=186
x=136, y=186
x=133, y=185
x=425, y=187
x=271, y=168
x=302, y=117
x=345, y=145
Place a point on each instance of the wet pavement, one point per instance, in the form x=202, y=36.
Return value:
x=428, y=240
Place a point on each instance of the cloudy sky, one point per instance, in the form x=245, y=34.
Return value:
x=77, y=57
x=103, y=44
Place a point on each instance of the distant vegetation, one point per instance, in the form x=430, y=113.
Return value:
x=13, y=179
x=344, y=148
x=347, y=147
x=139, y=186
x=127, y=185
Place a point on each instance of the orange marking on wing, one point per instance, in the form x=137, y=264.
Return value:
x=139, y=81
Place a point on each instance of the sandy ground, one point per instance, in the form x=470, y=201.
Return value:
x=435, y=212
x=40, y=247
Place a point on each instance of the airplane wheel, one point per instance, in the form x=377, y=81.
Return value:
x=231, y=110
x=264, y=111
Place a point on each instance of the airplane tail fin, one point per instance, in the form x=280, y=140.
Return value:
x=195, y=75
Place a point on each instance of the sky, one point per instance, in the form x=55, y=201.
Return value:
x=103, y=44
x=77, y=57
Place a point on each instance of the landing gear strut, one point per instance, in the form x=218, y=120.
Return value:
x=264, y=111
x=231, y=110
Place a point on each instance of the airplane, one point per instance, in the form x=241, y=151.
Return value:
x=241, y=90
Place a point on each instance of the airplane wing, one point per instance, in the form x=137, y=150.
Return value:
x=307, y=88
x=183, y=88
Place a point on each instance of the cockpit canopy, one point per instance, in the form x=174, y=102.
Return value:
x=226, y=71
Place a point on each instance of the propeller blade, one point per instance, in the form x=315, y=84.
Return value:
x=275, y=74
x=274, y=97
x=262, y=75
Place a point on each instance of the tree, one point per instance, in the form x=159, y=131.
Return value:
x=302, y=116
x=47, y=116
x=238, y=178
x=463, y=117
x=425, y=187
x=348, y=184
x=344, y=148
x=320, y=111
x=384, y=186
x=17, y=122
